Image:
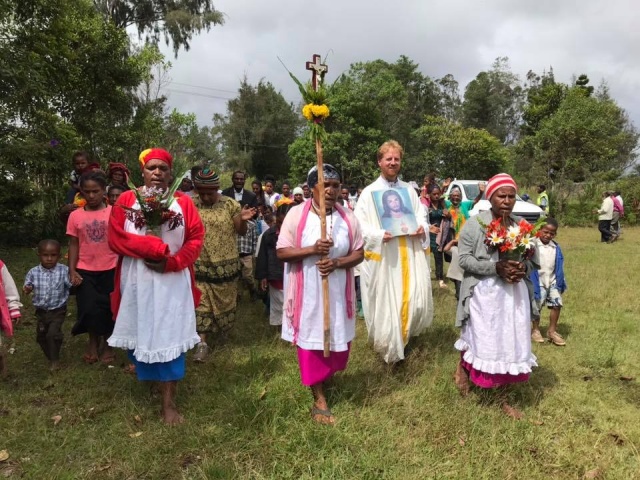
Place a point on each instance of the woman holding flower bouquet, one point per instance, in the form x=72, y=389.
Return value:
x=158, y=233
x=496, y=299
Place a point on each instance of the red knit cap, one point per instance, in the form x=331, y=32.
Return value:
x=498, y=181
x=155, y=154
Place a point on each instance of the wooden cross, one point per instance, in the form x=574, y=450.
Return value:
x=317, y=68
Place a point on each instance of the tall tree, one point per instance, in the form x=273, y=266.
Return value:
x=257, y=129
x=493, y=101
x=453, y=150
x=175, y=20
x=585, y=137
x=373, y=102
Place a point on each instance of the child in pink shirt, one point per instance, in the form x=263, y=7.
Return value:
x=9, y=311
x=92, y=266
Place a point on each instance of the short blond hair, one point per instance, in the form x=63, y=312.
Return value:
x=388, y=145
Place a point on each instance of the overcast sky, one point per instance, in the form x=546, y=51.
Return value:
x=461, y=37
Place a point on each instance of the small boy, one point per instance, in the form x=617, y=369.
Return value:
x=9, y=312
x=270, y=270
x=50, y=285
x=80, y=162
x=548, y=282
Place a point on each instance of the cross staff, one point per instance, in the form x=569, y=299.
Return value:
x=319, y=70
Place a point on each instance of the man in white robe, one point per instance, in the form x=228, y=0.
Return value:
x=395, y=277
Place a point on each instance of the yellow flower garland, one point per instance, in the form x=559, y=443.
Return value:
x=312, y=111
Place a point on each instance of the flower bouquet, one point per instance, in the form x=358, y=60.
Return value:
x=514, y=242
x=154, y=209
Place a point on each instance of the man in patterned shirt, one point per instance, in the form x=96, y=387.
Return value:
x=50, y=285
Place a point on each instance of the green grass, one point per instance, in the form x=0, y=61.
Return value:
x=247, y=414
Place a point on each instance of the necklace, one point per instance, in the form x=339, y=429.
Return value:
x=330, y=215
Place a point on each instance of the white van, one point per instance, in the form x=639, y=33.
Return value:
x=469, y=188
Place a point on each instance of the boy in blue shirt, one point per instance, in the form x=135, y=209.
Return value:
x=50, y=285
x=549, y=282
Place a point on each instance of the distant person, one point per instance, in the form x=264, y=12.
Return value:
x=618, y=212
x=543, y=198
x=117, y=174
x=437, y=213
x=80, y=161
x=344, y=193
x=256, y=188
x=298, y=195
x=270, y=194
x=306, y=191
x=239, y=193
x=549, y=282
x=50, y=284
x=270, y=269
x=353, y=197
x=286, y=190
x=605, y=215
x=114, y=194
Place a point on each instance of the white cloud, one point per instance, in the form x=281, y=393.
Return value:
x=461, y=37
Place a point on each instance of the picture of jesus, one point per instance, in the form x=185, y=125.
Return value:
x=395, y=217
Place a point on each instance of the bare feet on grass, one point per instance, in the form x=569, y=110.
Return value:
x=170, y=414
x=511, y=411
x=461, y=379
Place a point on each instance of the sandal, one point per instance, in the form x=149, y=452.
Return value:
x=130, y=369
x=327, y=414
x=556, y=339
x=89, y=359
x=202, y=351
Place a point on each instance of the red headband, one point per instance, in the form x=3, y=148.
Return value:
x=498, y=181
x=155, y=154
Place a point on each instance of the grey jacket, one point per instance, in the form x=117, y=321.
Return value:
x=475, y=260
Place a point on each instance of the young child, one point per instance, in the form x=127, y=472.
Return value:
x=80, y=162
x=114, y=193
x=49, y=282
x=9, y=312
x=92, y=266
x=549, y=282
x=270, y=270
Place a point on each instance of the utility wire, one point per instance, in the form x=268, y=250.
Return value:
x=204, y=88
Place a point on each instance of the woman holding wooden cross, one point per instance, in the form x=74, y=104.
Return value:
x=309, y=258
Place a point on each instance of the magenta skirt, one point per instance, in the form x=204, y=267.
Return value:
x=314, y=368
x=491, y=380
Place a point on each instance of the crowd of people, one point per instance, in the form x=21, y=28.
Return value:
x=159, y=291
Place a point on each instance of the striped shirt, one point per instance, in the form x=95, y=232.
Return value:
x=50, y=286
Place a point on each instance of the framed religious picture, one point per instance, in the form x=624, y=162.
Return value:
x=395, y=211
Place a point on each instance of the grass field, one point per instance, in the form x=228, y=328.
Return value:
x=248, y=416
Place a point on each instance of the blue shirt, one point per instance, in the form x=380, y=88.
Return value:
x=50, y=286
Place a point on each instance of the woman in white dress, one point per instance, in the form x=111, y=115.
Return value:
x=307, y=259
x=496, y=302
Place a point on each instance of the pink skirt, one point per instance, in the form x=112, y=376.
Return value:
x=491, y=380
x=314, y=368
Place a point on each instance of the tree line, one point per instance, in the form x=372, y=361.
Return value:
x=72, y=78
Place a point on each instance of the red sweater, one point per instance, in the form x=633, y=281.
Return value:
x=152, y=248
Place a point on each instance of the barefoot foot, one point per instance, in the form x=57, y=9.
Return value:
x=512, y=411
x=171, y=416
x=461, y=379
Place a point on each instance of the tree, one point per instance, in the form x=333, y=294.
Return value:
x=373, y=102
x=544, y=97
x=453, y=150
x=257, y=129
x=493, y=101
x=586, y=136
x=176, y=20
